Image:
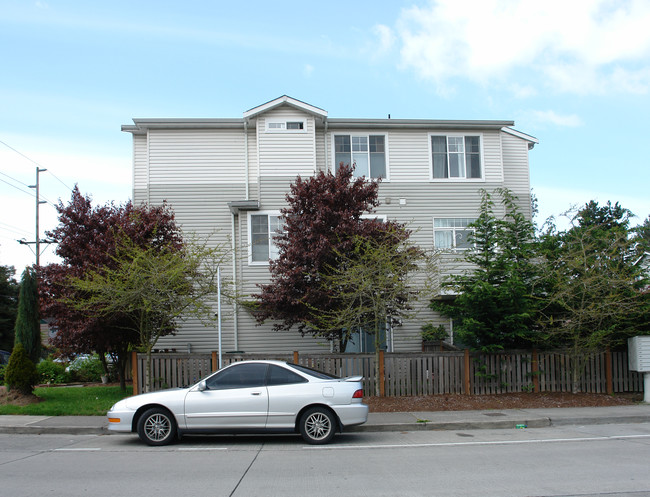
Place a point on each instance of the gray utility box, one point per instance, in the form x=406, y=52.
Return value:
x=638, y=349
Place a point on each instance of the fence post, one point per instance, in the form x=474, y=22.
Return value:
x=467, y=379
x=295, y=357
x=608, y=371
x=382, y=379
x=134, y=371
x=214, y=360
x=535, y=371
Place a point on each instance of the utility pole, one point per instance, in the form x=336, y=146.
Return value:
x=38, y=203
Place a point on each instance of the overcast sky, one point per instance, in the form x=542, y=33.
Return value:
x=574, y=74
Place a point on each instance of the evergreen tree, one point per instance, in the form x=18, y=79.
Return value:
x=8, y=306
x=28, y=327
x=494, y=307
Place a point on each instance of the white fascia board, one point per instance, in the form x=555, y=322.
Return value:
x=285, y=100
x=531, y=139
x=415, y=123
x=142, y=125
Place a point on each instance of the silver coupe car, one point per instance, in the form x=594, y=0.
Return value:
x=246, y=397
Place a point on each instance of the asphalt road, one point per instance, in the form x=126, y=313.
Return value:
x=603, y=460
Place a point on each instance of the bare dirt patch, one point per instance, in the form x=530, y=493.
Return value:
x=502, y=401
x=16, y=398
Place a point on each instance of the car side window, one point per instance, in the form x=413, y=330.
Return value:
x=239, y=376
x=282, y=376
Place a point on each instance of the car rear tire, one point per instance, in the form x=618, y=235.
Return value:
x=317, y=425
x=157, y=426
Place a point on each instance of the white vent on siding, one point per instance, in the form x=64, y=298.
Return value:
x=285, y=126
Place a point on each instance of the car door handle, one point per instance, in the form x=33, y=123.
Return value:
x=256, y=393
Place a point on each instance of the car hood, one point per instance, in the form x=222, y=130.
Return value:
x=159, y=397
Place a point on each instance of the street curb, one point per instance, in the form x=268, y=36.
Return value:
x=523, y=420
x=53, y=430
x=453, y=425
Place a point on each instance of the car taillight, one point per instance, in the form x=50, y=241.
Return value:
x=358, y=394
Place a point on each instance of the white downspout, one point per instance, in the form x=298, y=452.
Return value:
x=246, y=159
x=325, y=146
x=234, y=281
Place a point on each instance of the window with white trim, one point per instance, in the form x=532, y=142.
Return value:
x=452, y=233
x=456, y=157
x=366, y=152
x=264, y=228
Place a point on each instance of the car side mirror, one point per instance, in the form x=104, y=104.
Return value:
x=202, y=386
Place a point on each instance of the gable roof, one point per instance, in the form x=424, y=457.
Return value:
x=285, y=100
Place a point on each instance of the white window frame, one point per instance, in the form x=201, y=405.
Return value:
x=453, y=230
x=281, y=126
x=268, y=214
x=463, y=178
x=367, y=135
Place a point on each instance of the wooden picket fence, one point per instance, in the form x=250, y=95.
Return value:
x=411, y=374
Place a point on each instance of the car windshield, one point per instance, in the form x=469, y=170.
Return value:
x=313, y=372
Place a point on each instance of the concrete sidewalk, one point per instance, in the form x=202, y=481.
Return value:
x=398, y=421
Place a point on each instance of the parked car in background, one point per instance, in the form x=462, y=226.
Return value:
x=247, y=397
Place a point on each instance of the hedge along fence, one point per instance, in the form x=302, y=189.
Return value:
x=425, y=373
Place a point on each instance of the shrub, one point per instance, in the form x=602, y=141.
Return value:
x=2, y=374
x=432, y=333
x=21, y=373
x=52, y=372
x=87, y=369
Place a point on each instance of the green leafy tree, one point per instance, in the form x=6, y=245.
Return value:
x=8, y=306
x=28, y=324
x=594, y=289
x=495, y=306
x=374, y=285
x=152, y=288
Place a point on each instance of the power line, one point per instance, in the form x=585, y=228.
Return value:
x=20, y=153
x=55, y=177
x=37, y=165
x=19, y=189
x=14, y=179
x=13, y=229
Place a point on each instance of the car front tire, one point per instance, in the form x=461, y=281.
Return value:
x=317, y=426
x=157, y=426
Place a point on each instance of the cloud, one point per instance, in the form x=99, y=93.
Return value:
x=549, y=116
x=385, y=37
x=581, y=46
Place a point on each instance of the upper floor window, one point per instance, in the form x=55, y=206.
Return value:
x=456, y=157
x=452, y=233
x=366, y=152
x=285, y=126
x=264, y=228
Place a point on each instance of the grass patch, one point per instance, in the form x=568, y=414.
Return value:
x=70, y=401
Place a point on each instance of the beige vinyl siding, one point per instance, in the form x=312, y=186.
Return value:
x=190, y=156
x=516, y=169
x=492, y=157
x=409, y=156
x=140, y=162
x=253, y=164
x=198, y=171
x=321, y=138
x=286, y=153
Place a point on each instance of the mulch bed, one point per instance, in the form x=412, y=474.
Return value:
x=501, y=401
